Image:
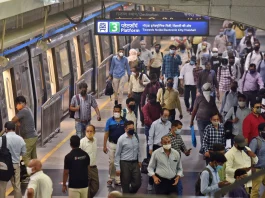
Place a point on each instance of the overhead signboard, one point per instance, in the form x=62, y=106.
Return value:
x=156, y=15
x=151, y=27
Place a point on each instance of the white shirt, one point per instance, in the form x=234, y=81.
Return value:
x=41, y=184
x=158, y=59
x=255, y=58
x=200, y=48
x=134, y=83
x=130, y=117
x=187, y=73
x=235, y=160
x=90, y=147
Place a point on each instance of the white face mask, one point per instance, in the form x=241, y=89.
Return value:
x=172, y=51
x=29, y=170
x=116, y=115
x=178, y=131
x=215, y=54
x=133, y=73
x=167, y=146
x=215, y=123
x=120, y=54
x=242, y=104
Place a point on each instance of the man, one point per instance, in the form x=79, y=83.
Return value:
x=213, y=133
x=184, y=54
x=231, y=35
x=187, y=78
x=204, y=40
x=239, y=157
x=113, y=130
x=137, y=83
x=118, y=68
x=169, y=98
x=145, y=55
x=229, y=99
x=152, y=111
x=251, y=83
x=239, y=191
x=215, y=60
x=128, y=112
x=207, y=188
x=151, y=88
x=252, y=121
x=17, y=148
x=237, y=115
x=255, y=57
x=128, y=159
x=229, y=49
x=165, y=168
x=261, y=69
x=178, y=144
x=208, y=76
x=157, y=61
x=25, y=120
x=203, y=107
x=170, y=66
x=196, y=73
x=220, y=41
x=257, y=145
x=90, y=146
x=234, y=63
x=81, y=104
x=40, y=184
x=76, y=165
x=203, y=55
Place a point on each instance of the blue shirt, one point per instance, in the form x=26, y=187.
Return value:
x=205, y=188
x=119, y=66
x=16, y=146
x=239, y=192
x=259, y=152
x=127, y=149
x=231, y=35
x=170, y=66
x=115, y=129
x=262, y=70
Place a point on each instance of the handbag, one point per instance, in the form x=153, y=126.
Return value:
x=145, y=164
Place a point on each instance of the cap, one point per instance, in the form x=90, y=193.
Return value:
x=193, y=58
x=240, y=140
x=261, y=126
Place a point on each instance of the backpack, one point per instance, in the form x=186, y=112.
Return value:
x=109, y=89
x=145, y=164
x=228, y=126
x=72, y=113
x=198, y=182
x=160, y=52
x=6, y=164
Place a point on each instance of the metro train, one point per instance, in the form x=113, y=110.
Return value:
x=38, y=74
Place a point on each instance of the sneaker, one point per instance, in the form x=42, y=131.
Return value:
x=149, y=187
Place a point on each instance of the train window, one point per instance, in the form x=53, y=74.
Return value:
x=88, y=52
x=9, y=94
x=38, y=76
x=105, y=46
x=51, y=71
x=64, y=62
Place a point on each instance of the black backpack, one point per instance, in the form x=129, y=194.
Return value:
x=72, y=113
x=198, y=182
x=109, y=89
x=6, y=164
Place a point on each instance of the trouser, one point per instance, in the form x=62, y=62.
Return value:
x=172, y=115
x=93, y=181
x=118, y=86
x=251, y=97
x=78, y=192
x=256, y=186
x=80, y=128
x=232, y=139
x=165, y=186
x=15, y=180
x=137, y=98
x=222, y=95
x=130, y=176
x=201, y=126
x=156, y=71
x=31, y=144
x=179, y=188
x=155, y=147
x=194, y=48
x=112, y=169
x=190, y=90
x=146, y=132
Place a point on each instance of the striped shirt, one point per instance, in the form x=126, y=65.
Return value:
x=177, y=143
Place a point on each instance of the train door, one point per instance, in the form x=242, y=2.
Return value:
x=51, y=71
x=77, y=56
x=64, y=73
x=3, y=100
x=10, y=105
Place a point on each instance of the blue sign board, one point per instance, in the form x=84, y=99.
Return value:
x=151, y=27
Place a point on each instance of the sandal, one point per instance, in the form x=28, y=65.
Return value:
x=109, y=182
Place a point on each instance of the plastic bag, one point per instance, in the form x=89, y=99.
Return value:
x=193, y=136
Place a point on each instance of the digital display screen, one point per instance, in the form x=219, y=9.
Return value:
x=151, y=27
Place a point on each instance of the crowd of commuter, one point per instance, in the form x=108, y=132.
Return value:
x=223, y=87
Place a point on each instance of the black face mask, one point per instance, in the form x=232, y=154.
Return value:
x=170, y=84
x=83, y=92
x=224, y=61
x=157, y=50
x=234, y=89
x=132, y=107
x=131, y=132
x=256, y=48
x=240, y=148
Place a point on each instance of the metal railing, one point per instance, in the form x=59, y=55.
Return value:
x=51, y=115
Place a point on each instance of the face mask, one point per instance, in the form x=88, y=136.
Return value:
x=229, y=48
x=252, y=71
x=29, y=170
x=83, y=92
x=221, y=33
x=224, y=61
x=256, y=48
x=192, y=62
x=132, y=107
x=90, y=136
x=219, y=167
x=258, y=111
x=240, y=148
x=121, y=54
x=133, y=73
x=143, y=46
x=178, y=131
x=248, y=47
x=207, y=93
x=131, y=132
x=234, y=89
x=170, y=84
x=167, y=146
x=216, y=123
x=249, y=34
x=215, y=54
x=203, y=47
x=157, y=50
x=228, y=29
x=164, y=119
x=242, y=104
x=116, y=115
x=182, y=47
x=172, y=51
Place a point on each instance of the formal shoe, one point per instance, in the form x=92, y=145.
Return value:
x=149, y=187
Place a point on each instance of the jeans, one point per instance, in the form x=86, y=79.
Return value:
x=201, y=126
x=189, y=90
x=81, y=129
x=146, y=132
x=137, y=98
x=179, y=188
